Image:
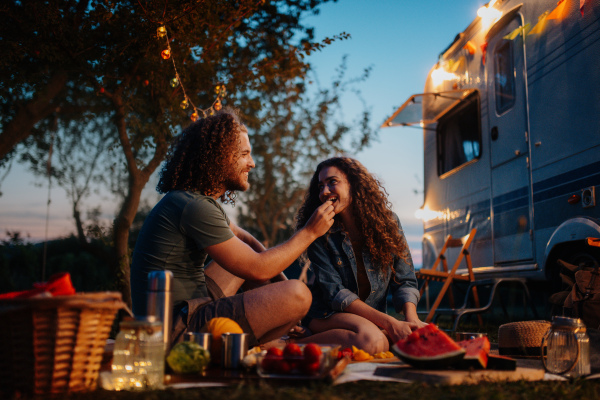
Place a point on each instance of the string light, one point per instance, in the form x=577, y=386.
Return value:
x=220, y=89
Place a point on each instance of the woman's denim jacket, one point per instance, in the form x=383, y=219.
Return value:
x=335, y=287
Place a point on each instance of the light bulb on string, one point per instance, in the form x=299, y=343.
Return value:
x=218, y=105
x=184, y=104
x=166, y=54
x=211, y=112
x=174, y=82
x=161, y=32
x=194, y=116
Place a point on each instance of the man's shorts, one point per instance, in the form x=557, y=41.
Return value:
x=195, y=313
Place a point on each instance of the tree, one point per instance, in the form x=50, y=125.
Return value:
x=296, y=131
x=68, y=58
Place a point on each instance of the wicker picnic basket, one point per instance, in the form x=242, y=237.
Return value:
x=54, y=344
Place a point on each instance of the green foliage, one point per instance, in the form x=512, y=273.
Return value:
x=21, y=265
x=95, y=66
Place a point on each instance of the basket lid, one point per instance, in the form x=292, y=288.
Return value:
x=522, y=338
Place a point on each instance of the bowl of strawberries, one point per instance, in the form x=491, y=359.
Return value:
x=304, y=361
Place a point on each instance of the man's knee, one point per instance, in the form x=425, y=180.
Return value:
x=298, y=296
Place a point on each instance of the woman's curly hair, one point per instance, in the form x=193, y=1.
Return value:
x=371, y=209
x=200, y=159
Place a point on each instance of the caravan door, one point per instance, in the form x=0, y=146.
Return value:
x=509, y=147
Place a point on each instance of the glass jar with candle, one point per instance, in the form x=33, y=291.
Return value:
x=139, y=355
x=566, y=348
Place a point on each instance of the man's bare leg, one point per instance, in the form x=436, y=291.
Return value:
x=274, y=309
x=229, y=283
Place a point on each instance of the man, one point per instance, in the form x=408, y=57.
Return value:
x=211, y=160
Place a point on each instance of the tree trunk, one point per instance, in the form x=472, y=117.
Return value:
x=136, y=182
x=122, y=224
x=41, y=106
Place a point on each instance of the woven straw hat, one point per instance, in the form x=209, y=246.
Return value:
x=522, y=338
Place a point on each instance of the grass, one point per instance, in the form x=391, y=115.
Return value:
x=578, y=389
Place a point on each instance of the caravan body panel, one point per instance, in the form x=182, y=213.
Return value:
x=519, y=159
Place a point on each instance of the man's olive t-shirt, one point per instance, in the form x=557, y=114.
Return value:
x=173, y=237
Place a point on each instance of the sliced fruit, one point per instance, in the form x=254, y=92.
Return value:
x=501, y=363
x=429, y=348
x=360, y=355
x=477, y=351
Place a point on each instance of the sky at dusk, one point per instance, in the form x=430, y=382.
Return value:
x=399, y=39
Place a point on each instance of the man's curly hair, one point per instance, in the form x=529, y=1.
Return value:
x=200, y=159
x=371, y=209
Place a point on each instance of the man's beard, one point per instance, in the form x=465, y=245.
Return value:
x=235, y=181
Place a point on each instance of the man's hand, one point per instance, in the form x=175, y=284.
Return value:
x=321, y=220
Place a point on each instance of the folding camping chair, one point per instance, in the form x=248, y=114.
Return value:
x=428, y=275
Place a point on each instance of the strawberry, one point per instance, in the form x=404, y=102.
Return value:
x=270, y=363
x=309, y=368
x=275, y=351
x=312, y=353
x=292, y=351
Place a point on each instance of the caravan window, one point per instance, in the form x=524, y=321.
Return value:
x=459, y=135
x=504, y=76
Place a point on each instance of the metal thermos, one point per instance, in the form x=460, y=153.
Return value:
x=160, y=301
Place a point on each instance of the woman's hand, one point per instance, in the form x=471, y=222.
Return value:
x=398, y=330
x=417, y=322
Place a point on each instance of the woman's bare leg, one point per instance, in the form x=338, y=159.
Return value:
x=348, y=330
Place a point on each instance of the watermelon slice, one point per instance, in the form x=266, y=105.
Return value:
x=477, y=351
x=501, y=363
x=429, y=348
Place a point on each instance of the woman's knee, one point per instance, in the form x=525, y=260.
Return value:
x=371, y=339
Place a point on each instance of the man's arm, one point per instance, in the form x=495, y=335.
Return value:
x=242, y=260
x=247, y=238
x=257, y=246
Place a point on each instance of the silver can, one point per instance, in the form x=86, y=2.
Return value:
x=160, y=302
x=204, y=339
x=566, y=348
x=235, y=348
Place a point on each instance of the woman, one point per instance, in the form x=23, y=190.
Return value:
x=362, y=258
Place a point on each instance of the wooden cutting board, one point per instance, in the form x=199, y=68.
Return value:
x=451, y=377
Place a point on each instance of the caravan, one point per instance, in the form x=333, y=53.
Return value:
x=511, y=138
